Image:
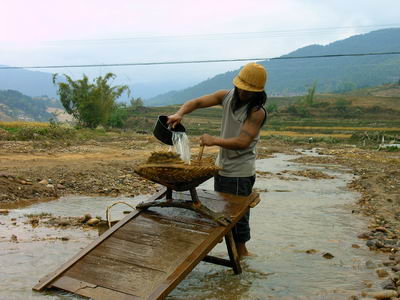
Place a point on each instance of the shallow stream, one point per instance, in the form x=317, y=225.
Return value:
x=304, y=241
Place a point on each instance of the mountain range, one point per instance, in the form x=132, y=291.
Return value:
x=286, y=76
x=17, y=106
x=330, y=74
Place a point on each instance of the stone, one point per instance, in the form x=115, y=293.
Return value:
x=386, y=294
x=327, y=255
x=93, y=221
x=396, y=269
x=382, y=273
x=368, y=283
x=381, y=228
x=44, y=182
x=85, y=218
x=311, y=251
x=63, y=222
x=363, y=235
x=389, y=263
x=4, y=211
x=388, y=284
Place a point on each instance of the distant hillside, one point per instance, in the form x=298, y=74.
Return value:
x=31, y=83
x=385, y=91
x=336, y=74
x=17, y=106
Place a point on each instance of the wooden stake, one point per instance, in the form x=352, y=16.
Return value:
x=201, y=152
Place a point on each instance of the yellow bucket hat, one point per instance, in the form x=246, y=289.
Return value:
x=252, y=77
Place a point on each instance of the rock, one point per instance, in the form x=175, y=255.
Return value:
x=379, y=244
x=4, y=211
x=382, y=273
x=311, y=251
x=364, y=235
x=371, y=244
x=396, y=269
x=63, y=222
x=14, y=238
x=381, y=228
x=382, y=294
x=388, y=284
x=65, y=238
x=93, y=221
x=378, y=234
x=370, y=264
x=85, y=218
x=389, y=263
x=327, y=255
x=355, y=246
x=60, y=186
x=34, y=222
x=368, y=283
x=44, y=182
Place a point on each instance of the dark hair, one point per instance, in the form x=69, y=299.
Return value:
x=257, y=102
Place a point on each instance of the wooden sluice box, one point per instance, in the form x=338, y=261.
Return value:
x=149, y=252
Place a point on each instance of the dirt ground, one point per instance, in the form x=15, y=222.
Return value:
x=33, y=171
x=36, y=171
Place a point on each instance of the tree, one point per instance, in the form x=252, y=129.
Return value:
x=118, y=116
x=91, y=104
x=272, y=107
x=135, y=103
x=308, y=100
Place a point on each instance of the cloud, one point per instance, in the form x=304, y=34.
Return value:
x=101, y=31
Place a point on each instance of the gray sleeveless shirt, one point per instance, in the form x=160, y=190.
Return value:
x=235, y=163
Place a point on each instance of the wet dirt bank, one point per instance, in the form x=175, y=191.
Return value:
x=31, y=172
x=304, y=238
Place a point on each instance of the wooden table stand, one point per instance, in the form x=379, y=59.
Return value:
x=150, y=251
x=194, y=204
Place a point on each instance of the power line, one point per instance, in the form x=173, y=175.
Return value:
x=232, y=34
x=200, y=61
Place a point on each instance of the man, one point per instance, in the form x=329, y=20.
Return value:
x=243, y=116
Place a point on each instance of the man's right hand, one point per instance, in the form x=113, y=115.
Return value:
x=174, y=119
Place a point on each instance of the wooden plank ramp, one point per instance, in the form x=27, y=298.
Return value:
x=147, y=254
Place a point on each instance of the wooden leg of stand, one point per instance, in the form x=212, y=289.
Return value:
x=168, y=194
x=195, y=197
x=233, y=255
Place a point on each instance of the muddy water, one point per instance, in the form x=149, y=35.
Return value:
x=297, y=222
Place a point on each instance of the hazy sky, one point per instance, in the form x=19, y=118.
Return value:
x=69, y=32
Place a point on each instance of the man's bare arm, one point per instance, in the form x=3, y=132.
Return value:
x=249, y=132
x=201, y=102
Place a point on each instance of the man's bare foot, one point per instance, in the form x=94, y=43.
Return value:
x=242, y=250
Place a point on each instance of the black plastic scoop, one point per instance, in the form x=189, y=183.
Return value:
x=163, y=132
